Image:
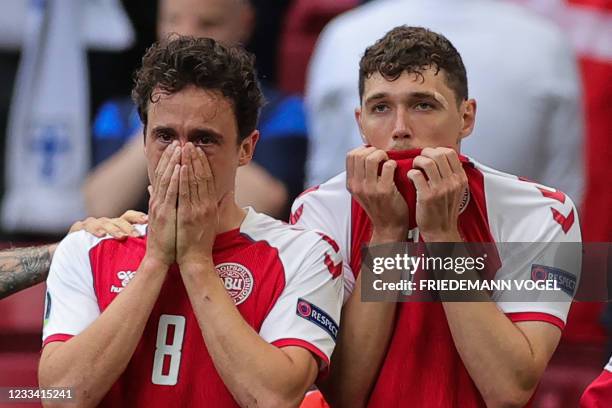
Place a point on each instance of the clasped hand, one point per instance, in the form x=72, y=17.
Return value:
x=440, y=183
x=183, y=208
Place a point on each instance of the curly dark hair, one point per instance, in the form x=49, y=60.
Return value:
x=414, y=50
x=172, y=64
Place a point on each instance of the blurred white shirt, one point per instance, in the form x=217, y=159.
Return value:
x=105, y=25
x=520, y=68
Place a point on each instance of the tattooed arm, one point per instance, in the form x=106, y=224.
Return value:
x=21, y=268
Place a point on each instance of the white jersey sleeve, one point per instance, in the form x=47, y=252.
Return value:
x=539, y=232
x=307, y=313
x=327, y=209
x=71, y=303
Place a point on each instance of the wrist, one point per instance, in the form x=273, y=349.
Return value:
x=155, y=264
x=441, y=236
x=197, y=265
x=381, y=235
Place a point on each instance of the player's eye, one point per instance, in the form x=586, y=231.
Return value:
x=205, y=140
x=380, y=108
x=165, y=137
x=423, y=106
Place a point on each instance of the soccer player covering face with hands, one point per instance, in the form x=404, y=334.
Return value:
x=414, y=112
x=215, y=305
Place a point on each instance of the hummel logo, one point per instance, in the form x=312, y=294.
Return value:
x=125, y=277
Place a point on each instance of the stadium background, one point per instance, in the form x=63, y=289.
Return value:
x=283, y=40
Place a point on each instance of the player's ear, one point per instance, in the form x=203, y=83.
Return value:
x=247, y=148
x=468, y=117
x=358, y=120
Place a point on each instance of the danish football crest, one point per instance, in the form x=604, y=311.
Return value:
x=237, y=279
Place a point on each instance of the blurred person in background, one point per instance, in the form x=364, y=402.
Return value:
x=47, y=145
x=520, y=68
x=588, y=25
x=269, y=184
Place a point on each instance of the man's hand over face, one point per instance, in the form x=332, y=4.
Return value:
x=161, y=234
x=377, y=194
x=440, y=182
x=198, y=212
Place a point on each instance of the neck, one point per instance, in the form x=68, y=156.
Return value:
x=230, y=214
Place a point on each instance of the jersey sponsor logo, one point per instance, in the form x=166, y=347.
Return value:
x=238, y=280
x=317, y=316
x=565, y=280
x=124, y=277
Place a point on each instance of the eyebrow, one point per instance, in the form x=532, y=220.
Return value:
x=376, y=96
x=194, y=134
x=411, y=95
x=158, y=129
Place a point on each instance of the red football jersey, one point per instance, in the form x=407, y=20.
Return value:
x=283, y=280
x=599, y=393
x=422, y=367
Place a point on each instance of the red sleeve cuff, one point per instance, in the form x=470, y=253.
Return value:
x=57, y=337
x=536, y=317
x=308, y=346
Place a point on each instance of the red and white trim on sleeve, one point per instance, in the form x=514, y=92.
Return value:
x=57, y=337
x=324, y=365
x=536, y=317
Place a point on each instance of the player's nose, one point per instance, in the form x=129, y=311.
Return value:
x=401, y=126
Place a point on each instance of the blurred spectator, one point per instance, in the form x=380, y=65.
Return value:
x=269, y=184
x=270, y=15
x=588, y=25
x=304, y=22
x=47, y=154
x=43, y=194
x=520, y=71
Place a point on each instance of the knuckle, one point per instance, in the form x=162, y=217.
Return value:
x=428, y=150
x=372, y=159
